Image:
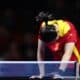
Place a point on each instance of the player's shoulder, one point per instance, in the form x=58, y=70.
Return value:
x=43, y=24
x=49, y=22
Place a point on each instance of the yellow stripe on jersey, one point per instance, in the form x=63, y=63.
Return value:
x=76, y=52
x=63, y=27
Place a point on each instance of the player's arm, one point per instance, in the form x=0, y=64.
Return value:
x=40, y=55
x=66, y=57
x=40, y=50
x=67, y=54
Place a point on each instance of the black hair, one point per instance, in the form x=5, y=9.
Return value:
x=44, y=16
x=48, y=33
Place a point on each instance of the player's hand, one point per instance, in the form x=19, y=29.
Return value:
x=37, y=76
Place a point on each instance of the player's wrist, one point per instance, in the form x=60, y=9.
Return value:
x=42, y=73
x=61, y=72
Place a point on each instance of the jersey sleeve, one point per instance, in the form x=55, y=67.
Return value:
x=39, y=36
x=41, y=26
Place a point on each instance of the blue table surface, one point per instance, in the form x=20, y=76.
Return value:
x=27, y=69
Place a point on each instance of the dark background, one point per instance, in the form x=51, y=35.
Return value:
x=18, y=29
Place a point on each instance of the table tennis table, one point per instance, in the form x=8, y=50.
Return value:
x=29, y=68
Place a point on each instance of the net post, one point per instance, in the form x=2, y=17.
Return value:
x=77, y=71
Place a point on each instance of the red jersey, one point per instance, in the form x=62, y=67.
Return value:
x=57, y=47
